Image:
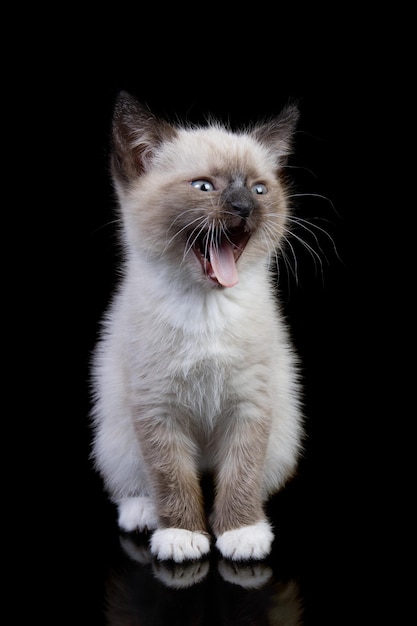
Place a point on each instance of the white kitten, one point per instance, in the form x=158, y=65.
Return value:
x=194, y=371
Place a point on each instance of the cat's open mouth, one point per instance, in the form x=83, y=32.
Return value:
x=218, y=254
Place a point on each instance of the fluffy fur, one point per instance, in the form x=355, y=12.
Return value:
x=194, y=371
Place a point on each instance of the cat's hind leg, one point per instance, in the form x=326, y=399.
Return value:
x=137, y=513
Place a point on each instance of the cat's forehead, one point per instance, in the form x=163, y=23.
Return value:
x=216, y=148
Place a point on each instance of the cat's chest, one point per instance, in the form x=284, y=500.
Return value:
x=193, y=352
x=196, y=354
x=193, y=334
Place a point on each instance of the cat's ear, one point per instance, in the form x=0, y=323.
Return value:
x=136, y=135
x=278, y=132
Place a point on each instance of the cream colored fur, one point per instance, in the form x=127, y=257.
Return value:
x=190, y=376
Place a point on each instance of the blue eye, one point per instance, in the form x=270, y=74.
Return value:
x=259, y=188
x=203, y=185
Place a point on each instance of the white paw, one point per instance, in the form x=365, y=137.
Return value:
x=137, y=513
x=247, y=542
x=178, y=544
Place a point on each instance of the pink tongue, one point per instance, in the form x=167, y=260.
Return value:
x=223, y=264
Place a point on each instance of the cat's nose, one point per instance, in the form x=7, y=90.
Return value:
x=241, y=201
x=243, y=209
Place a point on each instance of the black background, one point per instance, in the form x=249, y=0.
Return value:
x=328, y=537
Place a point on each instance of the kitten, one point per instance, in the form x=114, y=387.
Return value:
x=194, y=371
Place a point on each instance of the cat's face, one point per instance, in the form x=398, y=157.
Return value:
x=204, y=200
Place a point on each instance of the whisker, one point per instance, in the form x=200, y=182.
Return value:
x=315, y=195
x=279, y=252
x=193, y=238
x=294, y=269
x=211, y=235
x=314, y=254
x=289, y=234
x=116, y=221
x=171, y=239
x=309, y=227
x=301, y=168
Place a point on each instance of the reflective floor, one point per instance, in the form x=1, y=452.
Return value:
x=138, y=590
x=305, y=580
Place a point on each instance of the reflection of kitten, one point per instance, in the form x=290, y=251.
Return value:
x=149, y=591
x=194, y=371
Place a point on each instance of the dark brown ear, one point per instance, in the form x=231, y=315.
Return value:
x=136, y=135
x=278, y=132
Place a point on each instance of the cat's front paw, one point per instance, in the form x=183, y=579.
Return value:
x=179, y=545
x=247, y=542
x=137, y=513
